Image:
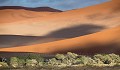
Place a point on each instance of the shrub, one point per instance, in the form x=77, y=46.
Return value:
x=67, y=61
x=110, y=59
x=21, y=62
x=36, y=56
x=3, y=65
x=14, y=62
x=85, y=60
x=31, y=63
x=60, y=56
x=72, y=55
x=115, y=58
x=99, y=58
x=70, y=59
x=41, y=63
x=54, y=62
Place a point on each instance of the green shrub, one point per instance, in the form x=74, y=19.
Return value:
x=21, y=62
x=41, y=63
x=3, y=65
x=14, y=62
x=67, y=61
x=31, y=63
x=60, y=56
x=115, y=58
x=98, y=58
x=107, y=59
x=85, y=60
x=70, y=59
x=54, y=62
x=72, y=55
x=36, y=56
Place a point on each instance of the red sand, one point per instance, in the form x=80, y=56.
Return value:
x=100, y=42
x=106, y=15
x=106, y=41
x=14, y=13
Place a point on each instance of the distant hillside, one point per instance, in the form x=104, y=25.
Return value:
x=40, y=9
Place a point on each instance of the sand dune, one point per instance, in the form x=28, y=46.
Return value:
x=107, y=41
x=21, y=40
x=16, y=13
x=78, y=27
x=106, y=15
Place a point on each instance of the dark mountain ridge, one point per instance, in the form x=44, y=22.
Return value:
x=39, y=9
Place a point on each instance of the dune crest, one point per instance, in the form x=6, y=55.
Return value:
x=18, y=13
x=106, y=14
x=85, y=28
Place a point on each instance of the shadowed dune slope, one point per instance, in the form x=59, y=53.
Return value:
x=23, y=54
x=106, y=15
x=16, y=13
x=75, y=31
x=106, y=41
x=19, y=40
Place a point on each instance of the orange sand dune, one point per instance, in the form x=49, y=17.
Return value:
x=100, y=12
x=106, y=41
x=106, y=15
x=15, y=13
x=69, y=24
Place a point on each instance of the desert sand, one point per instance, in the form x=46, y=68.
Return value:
x=107, y=41
x=104, y=15
x=12, y=14
x=89, y=30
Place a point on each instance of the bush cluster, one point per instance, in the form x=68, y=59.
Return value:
x=63, y=60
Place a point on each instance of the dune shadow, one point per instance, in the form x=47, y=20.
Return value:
x=24, y=54
x=75, y=31
x=71, y=32
x=20, y=40
x=94, y=48
x=16, y=40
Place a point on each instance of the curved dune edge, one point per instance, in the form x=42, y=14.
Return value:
x=106, y=14
x=20, y=15
x=104, y=9
x=106, y=41
x=15, y=15
x=93, y=43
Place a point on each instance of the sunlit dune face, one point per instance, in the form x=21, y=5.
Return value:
x=8, y=16
x=17, y=13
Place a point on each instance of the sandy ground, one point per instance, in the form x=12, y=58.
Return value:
x=106, y=41
x=78, y=28
x=10, y=14
x=105, y=15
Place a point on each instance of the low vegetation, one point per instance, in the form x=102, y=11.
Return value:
x=62, y=61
